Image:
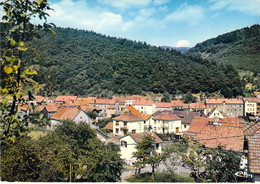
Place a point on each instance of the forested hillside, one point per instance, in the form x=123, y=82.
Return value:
x=241, y=48
x=85, y=63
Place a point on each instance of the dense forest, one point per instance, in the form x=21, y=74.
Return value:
x=86, y=63
x=241, y=48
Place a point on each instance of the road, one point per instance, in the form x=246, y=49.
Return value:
x=128, y=171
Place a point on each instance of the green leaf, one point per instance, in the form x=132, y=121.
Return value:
x=8, y=69
x=22, y=48
x=12, y=42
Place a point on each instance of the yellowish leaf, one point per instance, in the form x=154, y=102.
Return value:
x=8, y=69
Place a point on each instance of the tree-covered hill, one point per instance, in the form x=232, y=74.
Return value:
x=241, y=48
x=85, y=63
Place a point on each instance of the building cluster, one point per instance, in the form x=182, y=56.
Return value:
x=213, y=122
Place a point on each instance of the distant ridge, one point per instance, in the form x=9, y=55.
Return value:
x=181, y=49
x=240, y=48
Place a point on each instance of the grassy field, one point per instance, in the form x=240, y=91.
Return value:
x=37, y=132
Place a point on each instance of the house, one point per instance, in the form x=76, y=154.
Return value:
x=230, y=137
x=130, y=99
x=128, y=145
x=256, y=94
x=215, y=113
x=162, y=106
x=39, y=99
x=166, y=122
x=145, y=106
x=121, y=102
x=48, y=109
x=197, y=107
x=75, y=114
x=187, y=119
x=231, y=107
x=252, y=135
x=109, y=126
x=101, y=135
x=232, y=121
x=63, y=99
x=128, y=123
x=251, y=106
x=177, y=104
x=197, y=125
x=146, y=117
x=104, y=103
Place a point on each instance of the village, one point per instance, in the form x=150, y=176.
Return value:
x=232, y=123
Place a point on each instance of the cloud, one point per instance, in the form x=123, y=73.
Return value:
x=190, y=14
x=183, y=43
x=125, y=3
x=144, y=14
x=77, y=14
x=249, y=6
x=160, y=2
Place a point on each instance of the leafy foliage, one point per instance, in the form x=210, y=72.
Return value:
x=16, y=72
x=104, y=65
x=146, y=153
x=239, y=48
x=47, y=159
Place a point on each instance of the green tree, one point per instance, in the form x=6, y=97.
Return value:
x=222, y=165
x=95, y=161
x=189, y=97
x=19, y=161
x=166, y=97
x=16, y=72
x=146, y=153
x=194, y=159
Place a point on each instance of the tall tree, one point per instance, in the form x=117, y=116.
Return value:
x=16, y=72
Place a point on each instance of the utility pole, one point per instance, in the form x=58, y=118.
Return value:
x=70, y=171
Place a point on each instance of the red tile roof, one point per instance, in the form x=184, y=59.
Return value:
x=220, y=101
x=257, y=100
x=143, y=102
x=137, y=137
x=166, y=116
x=39, y=99
x=109, y=126
x=163, y=105
x=253, y=137
x=65, y=113
x=232, y=121
x=232, y=138
x=103, y=101
x=128, y=117
x=197, y=106
x=65, y=98
x=198, y=123
x=134, y=111
x=177, y=103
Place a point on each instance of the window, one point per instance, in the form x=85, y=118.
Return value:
x=185, y=126
x=117, y=122
x=157, y=145
x=117, y=130
x=80, y=117
x=125, y=124
x=133, y=131
x=177, y=130
x=142, y=107
x=124, y=144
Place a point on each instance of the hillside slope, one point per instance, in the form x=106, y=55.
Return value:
x=85, y=63
x=241, y=48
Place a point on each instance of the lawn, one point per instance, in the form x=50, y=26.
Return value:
x=37, y=132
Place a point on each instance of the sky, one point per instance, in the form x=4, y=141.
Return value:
x=175, y=23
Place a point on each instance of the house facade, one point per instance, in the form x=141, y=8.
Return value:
x=145, y=106
x=251, y=106
x=128, y=123
x=128, y=145
x=231, y=107
x=166, y=122
x=74, y=114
